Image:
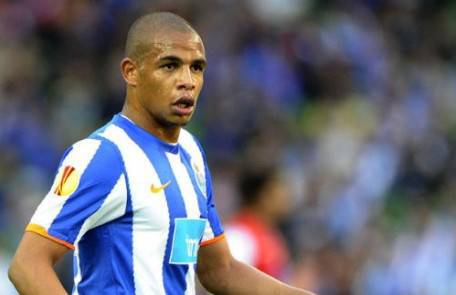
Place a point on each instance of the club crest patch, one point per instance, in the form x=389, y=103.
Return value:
x=67, y=181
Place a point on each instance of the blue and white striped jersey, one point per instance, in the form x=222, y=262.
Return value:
x=134, y=209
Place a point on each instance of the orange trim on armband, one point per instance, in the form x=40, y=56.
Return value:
x=213, y=240
x=43, y=232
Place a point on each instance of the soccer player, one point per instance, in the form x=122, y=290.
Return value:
x=252, y=233
x=134, y=199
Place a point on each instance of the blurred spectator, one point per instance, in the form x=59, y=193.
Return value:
x=252, y=233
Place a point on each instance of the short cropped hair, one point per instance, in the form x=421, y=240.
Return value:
x=144, y=29
x=253, y=180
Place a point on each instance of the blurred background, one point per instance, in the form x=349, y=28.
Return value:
x=352, y=103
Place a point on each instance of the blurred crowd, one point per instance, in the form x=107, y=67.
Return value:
x=354, y=101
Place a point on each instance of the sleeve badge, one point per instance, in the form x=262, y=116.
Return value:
x=67, y=181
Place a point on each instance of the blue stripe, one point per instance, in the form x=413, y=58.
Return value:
x=212, y=214
x=96, y=259
x=124, y=232
x=173, y=275
x=106, y=257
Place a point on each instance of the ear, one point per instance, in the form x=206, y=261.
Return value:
x=129, y=71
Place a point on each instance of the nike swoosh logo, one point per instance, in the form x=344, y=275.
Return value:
x=157, y=189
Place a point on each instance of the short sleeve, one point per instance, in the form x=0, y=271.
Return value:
x=214, y=230
x=89, y=190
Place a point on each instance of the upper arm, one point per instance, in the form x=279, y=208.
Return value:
x=31, y=270
x=214, y=260
x=34, y=250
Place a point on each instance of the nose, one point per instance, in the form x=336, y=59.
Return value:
x=186, y=79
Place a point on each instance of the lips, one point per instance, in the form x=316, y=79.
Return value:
x=183, y=106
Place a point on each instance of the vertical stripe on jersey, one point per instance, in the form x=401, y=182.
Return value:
x=112, y=208
x=149, y=247
x=76, y=272
x=123, y=266
x=51, y=206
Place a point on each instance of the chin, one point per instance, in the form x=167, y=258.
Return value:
x=181, y=122
x=174, y=124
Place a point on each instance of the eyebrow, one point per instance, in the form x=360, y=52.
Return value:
x=172, y=58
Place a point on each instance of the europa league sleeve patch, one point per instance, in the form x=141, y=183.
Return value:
x=67, y=181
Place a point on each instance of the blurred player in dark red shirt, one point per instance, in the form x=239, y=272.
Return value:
x=253, y=233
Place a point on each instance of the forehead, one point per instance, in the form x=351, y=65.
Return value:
x=185, y=45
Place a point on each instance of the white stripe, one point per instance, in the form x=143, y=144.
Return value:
x=208, y=233
x=79, y=157
x=150, y=218
x=77, y=278
x=113, y=207
x=190, y=281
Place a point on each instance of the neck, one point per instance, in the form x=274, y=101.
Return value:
x=147, y=122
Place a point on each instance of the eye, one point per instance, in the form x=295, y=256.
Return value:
x=169, y=66
x=197, y=68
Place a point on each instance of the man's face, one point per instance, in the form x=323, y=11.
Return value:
x=171, y=77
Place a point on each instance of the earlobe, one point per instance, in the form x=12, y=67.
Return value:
x=129, y=71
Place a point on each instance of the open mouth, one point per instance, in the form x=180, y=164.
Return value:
x=184, y=102
x=183, y=106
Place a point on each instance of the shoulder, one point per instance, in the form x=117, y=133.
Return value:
x=88, y=148
x=95, y=147
x=94, y=155
x=191, y=144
